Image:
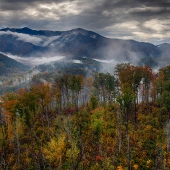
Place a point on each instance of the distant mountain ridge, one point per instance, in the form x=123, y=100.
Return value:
x=77, y=43
x=29, y=31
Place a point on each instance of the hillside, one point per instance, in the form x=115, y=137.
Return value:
x=9, y=66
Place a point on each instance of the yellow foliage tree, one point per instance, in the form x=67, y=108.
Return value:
x=54, y=151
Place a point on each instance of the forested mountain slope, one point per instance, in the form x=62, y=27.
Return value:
x=9, y=66
x=118, y=121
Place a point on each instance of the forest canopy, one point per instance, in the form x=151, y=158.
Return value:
x=109, y=122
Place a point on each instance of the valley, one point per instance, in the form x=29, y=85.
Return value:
x=26, y=52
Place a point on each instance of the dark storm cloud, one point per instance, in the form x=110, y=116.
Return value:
x=137, y=8
x=159, y=13
x=135, y=3
x=108, y=17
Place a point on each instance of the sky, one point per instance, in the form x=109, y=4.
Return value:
x=141, y=20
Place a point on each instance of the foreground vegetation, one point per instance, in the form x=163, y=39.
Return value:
x=102, y=122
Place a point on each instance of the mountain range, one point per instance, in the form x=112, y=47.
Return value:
x=25, y=45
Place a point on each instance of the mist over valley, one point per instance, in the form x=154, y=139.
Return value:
x=77, y=51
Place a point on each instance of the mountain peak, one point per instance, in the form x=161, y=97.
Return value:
x=26, y=28
x=79, y=29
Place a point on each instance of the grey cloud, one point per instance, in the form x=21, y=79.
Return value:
x=150, y=13
x=135, y=3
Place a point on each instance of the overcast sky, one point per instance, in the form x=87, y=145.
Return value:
x=141, y=20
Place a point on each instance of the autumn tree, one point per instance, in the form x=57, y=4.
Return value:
x=76, y=85
x=125, y=100
x=104, y=87
x=147, y=79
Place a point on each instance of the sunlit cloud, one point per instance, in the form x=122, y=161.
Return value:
x=157, y=25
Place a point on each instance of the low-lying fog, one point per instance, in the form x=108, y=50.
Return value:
x=34, y=61
x=36, y=40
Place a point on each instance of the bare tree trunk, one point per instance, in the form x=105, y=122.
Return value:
x=128, y=153
x=168, y=134
x=47, y=117
x=119, y=118
x=18, y=143
x=127, y=136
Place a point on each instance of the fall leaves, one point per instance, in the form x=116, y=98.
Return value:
x=89, y=123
